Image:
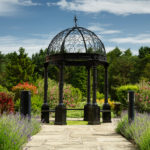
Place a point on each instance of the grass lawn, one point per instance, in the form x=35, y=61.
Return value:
x=74, y=122
x=78, y=114
x=75, y=113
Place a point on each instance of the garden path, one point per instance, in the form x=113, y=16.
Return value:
x=79, y=137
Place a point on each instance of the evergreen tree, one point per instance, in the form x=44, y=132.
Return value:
x=1, y=61
x=19, y=69
x=113, y=55
x=77, y=76
x=38, y=59
x=143, y=51
x=2, y=68
x=144, y=68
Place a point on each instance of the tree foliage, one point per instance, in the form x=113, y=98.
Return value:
x=124, y=68
x=143, y=51
x=19, y=69
x=38, y=59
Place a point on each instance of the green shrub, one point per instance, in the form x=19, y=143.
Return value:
x=3, y=89
x=99, y=95
x=122, y=93
x=142, y=97
x=36, y=104
x=71, y=95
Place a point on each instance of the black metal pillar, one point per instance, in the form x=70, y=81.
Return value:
x=45, y=106
x=94, y=84
x=94, y=117
x=87, y=106
x=131, y=106
x=25, y=104
x=60, y=110
x=106, y=107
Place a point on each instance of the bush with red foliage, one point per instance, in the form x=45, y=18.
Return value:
x=23, y=86
x=6, y=103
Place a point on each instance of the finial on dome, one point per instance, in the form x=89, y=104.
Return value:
x=75, y=20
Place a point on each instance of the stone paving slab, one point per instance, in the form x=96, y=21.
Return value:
x=78, y=137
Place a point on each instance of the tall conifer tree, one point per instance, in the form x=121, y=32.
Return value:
x=19, y=69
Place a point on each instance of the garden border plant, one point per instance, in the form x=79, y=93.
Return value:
x=138, y=131
x=14, y=131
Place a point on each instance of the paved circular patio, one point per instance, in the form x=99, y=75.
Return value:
x=79, y=137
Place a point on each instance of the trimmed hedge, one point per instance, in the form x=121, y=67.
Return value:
x=122, y=93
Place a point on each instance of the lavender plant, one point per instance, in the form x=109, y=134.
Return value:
x=138, y=131
x=14, y=131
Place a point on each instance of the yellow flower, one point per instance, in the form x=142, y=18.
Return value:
x=101, y=102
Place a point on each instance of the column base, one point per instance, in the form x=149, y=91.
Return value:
x=45, y=113
x=94, y=115
x=60, y=115
x=106, y=115
x=86, y=112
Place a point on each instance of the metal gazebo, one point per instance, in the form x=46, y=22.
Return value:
x=77, y=46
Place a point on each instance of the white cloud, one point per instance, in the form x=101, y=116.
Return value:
x=110, y=48
x=9, y=7
x=32, y=45
x=102, y=30
x=50, y=4
x=138, y=39
x=119, y=7
x=27, y=3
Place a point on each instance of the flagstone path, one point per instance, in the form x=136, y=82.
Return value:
x=79, y=137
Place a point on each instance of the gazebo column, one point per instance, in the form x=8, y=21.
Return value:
x=60, y=110
x=94, y=117
x=45, y=106
x=87, y=106
x=106, y=107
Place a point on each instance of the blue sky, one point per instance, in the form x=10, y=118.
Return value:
x=33, y=23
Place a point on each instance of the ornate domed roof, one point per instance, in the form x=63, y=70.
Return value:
x=76, y=40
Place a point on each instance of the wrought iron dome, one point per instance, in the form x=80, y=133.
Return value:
x=77, y=41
